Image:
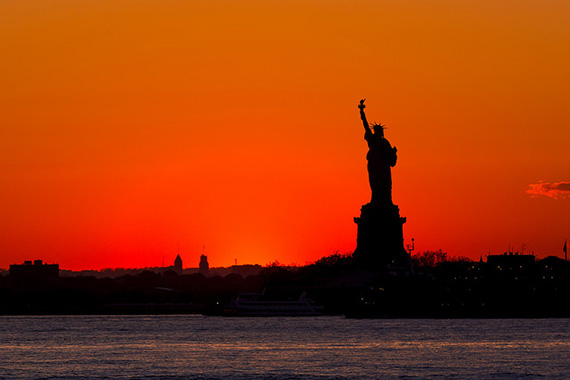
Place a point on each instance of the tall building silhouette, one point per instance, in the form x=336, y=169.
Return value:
x=178, y=264
x=204, y=266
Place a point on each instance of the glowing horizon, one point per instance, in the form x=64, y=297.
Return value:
x=128, y=131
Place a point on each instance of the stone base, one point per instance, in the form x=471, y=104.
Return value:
x=380, y=239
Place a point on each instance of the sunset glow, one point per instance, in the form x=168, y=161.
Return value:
x=131, y=131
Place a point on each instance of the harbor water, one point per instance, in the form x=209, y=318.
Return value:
x=199, y=347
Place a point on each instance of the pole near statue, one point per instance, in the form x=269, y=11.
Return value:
x=380, y=238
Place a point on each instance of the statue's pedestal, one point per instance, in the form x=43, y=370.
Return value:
x=380, y=238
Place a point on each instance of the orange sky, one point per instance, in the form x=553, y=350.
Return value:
x=129, y=129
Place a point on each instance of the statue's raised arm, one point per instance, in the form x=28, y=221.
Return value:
x=361, y=106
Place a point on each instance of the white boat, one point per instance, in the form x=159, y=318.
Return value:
x=258, y=305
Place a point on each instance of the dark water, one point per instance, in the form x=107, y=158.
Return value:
x=197, y=347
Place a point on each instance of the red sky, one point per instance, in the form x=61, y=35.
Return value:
x=132, y=130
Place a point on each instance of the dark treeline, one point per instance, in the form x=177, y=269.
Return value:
x=442, y=287
x=437, y=286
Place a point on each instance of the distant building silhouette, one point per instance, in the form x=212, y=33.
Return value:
x=178, y=264
x=511, y=260
x=34, y=271
x=246, y=270
x=204, y=266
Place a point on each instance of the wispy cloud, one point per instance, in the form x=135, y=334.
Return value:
x=556, y=190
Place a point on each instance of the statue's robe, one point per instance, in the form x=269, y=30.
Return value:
x=381, y=157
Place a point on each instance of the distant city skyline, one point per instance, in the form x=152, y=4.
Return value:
x=135, y=132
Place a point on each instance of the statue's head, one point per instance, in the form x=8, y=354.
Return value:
x=378, y=129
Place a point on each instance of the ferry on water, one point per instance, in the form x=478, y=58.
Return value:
x=259, y=305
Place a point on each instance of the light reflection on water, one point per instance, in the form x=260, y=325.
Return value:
x=281, y=348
